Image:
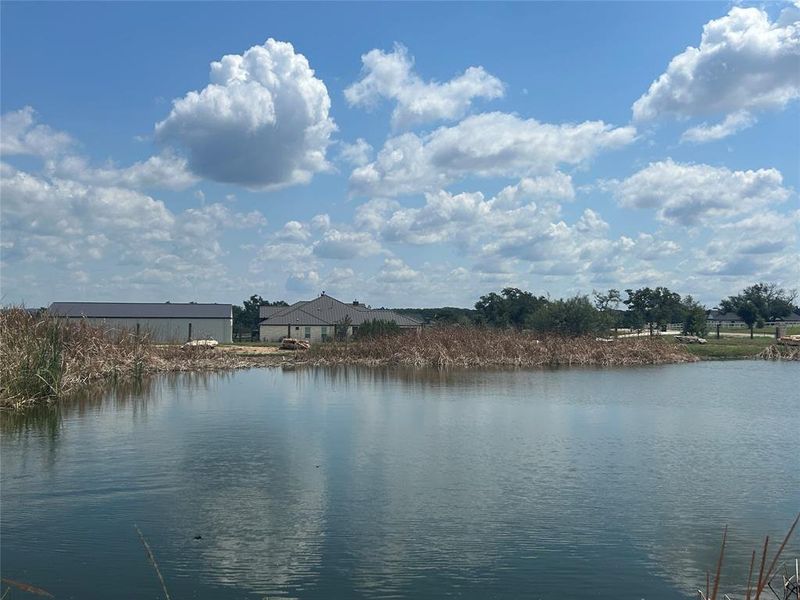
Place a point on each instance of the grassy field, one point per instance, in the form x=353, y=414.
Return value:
x=728, y=347
x=770, y=330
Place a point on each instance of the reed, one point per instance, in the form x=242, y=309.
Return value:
x=767, y=572
x=485, y=347
x=43, y=358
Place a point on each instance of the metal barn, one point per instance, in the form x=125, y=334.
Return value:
x=163, y=322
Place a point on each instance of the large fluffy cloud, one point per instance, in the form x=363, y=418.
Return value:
x=390, y=75
x=745, y=61
x=262, y=122
x=485, y=145
x=689, y=194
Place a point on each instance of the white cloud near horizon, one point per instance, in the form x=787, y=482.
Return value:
x=745, y=62
x=390, y=75
x=70, y=224
x=485, y=145
x=262, y=122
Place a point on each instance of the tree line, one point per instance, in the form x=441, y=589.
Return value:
x=640, y=309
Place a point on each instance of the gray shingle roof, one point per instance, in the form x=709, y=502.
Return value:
x=327, y=310
x=141, y=310
x=716, y=315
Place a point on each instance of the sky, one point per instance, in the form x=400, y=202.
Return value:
x=402, y=154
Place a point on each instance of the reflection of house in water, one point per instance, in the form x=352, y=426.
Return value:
x=163, y=322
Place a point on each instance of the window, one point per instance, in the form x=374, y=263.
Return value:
x=324, y=332
x=308, y=333
x=297, y=329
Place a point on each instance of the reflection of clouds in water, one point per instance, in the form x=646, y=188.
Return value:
x=576, y=462
x=254, y=493
x=447, y=491
x=257, y=539
x=432, y=483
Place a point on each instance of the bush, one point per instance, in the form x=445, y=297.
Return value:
x=376, y=328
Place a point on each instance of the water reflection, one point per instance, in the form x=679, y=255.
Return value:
x=407, y=483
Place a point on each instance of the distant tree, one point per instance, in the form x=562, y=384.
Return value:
x=245, y=317
x=759, y=303
x=655, y=307
x=608, y=305
x=573, y=316
x=511, y=308
x=695, y=321
x=667, y=307
x=640, y=305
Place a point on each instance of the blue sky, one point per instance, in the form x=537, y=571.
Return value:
x=402, y=154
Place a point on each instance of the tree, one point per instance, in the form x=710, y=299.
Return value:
x=640, y=305
x=608, y=305
x=246, y=317
x=573, y=316
x=341, y=329
x=511, y=308
x=654, y=307
x=759, y=303
x=695, y=321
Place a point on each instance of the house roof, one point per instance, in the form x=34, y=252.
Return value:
x=141, y=310
x=326, y=310
x=716, y=315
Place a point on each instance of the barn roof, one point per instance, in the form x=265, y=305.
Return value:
x=141, y=310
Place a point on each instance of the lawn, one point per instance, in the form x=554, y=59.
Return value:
x=794, y=330
x=729, y=347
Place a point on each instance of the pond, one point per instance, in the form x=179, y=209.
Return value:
x=358, y=483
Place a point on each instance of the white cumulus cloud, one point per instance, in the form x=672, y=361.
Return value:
x=689, y=194
x=733, y=123
x=745, y=62
x=485, y=145
x=391, y=75
x=262, y=122
x=21, y=134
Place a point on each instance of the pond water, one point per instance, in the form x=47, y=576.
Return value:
x=353, y=483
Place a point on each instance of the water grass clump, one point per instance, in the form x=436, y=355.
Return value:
x=45, y=358
x=486, y=347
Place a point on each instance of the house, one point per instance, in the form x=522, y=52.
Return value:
x=731, y=319
x=789, y=320
x=320, y=319
x=727, y=319
x=164, y=322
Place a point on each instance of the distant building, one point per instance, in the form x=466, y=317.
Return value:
x=164, y=322
x=731, y=319
x=319, y=319
x=728, y=319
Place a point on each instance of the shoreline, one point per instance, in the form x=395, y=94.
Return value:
x=48, y=362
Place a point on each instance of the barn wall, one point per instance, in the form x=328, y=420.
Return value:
x=173, y=330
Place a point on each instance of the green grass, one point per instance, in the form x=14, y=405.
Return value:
x=794, y=330
x=728, y=347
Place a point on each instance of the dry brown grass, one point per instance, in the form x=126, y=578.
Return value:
x=43, y=358
x=780, y=352
x=480, y=347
